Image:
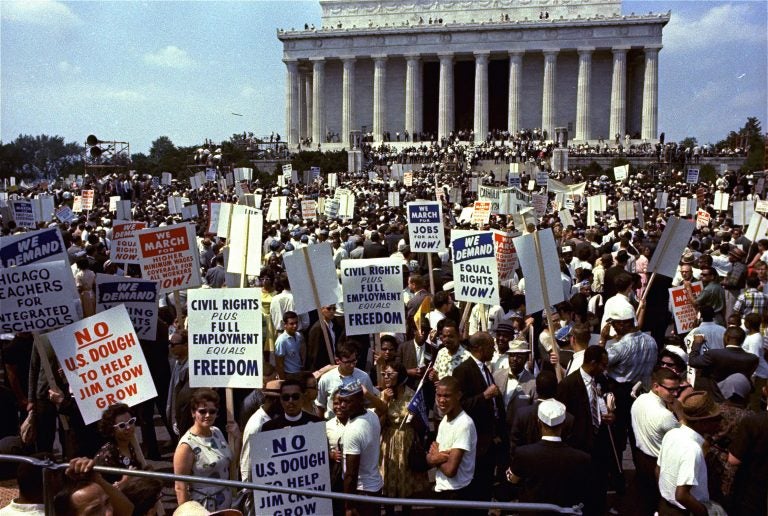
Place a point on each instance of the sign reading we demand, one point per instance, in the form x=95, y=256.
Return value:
x=103, y=362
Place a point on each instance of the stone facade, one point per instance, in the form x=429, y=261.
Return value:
x=376, y=66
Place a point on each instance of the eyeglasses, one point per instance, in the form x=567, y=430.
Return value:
x=332, y=307
x=668, y=365
x=125, y=424
x=387, y=375
x=348, y=361
x=291, y=397
x=672, y=390
x=387, y=349
x=207, y=412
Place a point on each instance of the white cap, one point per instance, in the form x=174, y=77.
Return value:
x=621, y=312
x=551, y=412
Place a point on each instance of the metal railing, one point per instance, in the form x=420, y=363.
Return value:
x=49, y=467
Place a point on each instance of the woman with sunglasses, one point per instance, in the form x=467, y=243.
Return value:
x=203, y=452
x=118, y=425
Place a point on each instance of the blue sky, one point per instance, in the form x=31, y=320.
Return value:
x=133, y=71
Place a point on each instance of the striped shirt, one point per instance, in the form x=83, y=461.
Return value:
x=752, y=301
x=632, y=358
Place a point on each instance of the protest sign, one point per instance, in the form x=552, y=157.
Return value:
x=626, y=210
x=393, y=199
x=465, y=216
x=77, y=204
x=373, y=295
x=277, y=208
x=23, y=213
x=491, y=194
x=554, y=186
x=103, y=362
x=703, y=219
x=37, y=297
x=194, y=182
x=693, y=176
x=225, y=344
x=169, y=256
x=87, y=200
x=597, y=202
x=332, y=180
x=309, y=209
x=43, y=245
x=165, y=178
x=189, y=212
x=295, y=457
x=685, y=312
x=513, y=200
x=541, y=270
x=213, y=217
x=124, y=210
x=425, y=226
x=661, y=200
x=64, y=213
x=687, y=207
x=540, y=204
x=408, y=178
x=761, y=207
x=139, y=297
x=566, y=218
x=758, y=228
x=243, y=174
x=113, y=202
x=621, y=173
x=474, y=267
x=311, y=268
x=210, y=174
x=541, y=177
x=331, y=208
x=481, y=213
x=346, y=203
x=506, y=256
x=43, y=206
x=670, y=248
x=245, y=242
x=474, y=184
x=742, y=212
x=124, y=246
x=721, y=201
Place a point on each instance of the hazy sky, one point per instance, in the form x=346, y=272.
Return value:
x=133, y=71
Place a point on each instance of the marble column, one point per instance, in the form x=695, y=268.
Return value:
x=548, y=108
x=307, y=86
x=583, y=93
x=292, y=102
x=418, y=106
x=618, y=121
x=651, y=94
x=445, y=106
x=348, y=119
x=412, y=94
x=379, y=97
x=302, y=105
x=318, y=101
x=515, y=91
x=481, y=95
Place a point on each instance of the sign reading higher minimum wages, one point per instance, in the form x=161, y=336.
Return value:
x=425, y=226
x=169, y=256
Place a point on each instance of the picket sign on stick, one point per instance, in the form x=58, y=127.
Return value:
x=547, y=306
x=52, y=385
x=464, y=317
x=316, y=298
x=431, y=275
x=670, y=247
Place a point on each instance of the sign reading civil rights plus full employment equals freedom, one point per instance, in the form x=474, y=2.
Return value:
x=373, y=296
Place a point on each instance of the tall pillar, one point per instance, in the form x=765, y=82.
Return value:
x=618, y=123
x=412, y=93
x=318, y=100
x=418, y=106
x=481, y=95
x=548, y=109
x=379, y=97
x=583, y=93
x=650, y=124
x=348, y=119
x=302, y=105
x=445, y=106
x=292, y=102
x=515, y=91
x=307, y=85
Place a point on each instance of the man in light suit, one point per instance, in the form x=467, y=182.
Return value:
x=516, y=383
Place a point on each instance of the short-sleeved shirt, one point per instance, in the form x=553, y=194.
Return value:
x=445, y=363
x=632, y=358
x=651, y=420
x=681, y=463
x=458, y=433
x=289, y=347
x=361, y=437
x=332, y=380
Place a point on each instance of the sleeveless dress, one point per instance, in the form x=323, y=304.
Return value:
x=212, y=459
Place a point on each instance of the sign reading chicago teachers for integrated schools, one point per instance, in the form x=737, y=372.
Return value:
x=373, y=295
x=425, y=226
x=225, y=338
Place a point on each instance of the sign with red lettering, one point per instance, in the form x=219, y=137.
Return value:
x=124, y=247
x=506, y=256
x=169, y=256
x=87, y=200
x=103, y=362
x=683, y=308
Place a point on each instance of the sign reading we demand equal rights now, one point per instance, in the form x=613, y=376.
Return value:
x=169, y=256
x=103, y=362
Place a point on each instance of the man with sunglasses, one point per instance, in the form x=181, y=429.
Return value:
x=651, y=420
x=291, y=399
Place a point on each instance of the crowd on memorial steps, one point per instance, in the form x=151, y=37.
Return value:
x=513, y=411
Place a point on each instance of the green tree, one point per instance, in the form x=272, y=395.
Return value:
x=40, y=156
x=707, y=172
x=689, y=141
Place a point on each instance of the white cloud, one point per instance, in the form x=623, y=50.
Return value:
x=68, y=68
x=727, y=23
x=119, y=95
x=46, y=13
x=170, y=57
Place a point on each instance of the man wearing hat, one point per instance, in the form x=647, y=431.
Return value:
x=516, y=383
x=682, y=467
x=550, y=470
x=269, y=409
x=735, y=280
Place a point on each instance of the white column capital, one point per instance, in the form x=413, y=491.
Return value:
x=516, y=54
x=348, y=59
x=620, y=50
x=652, y=49
x=412, y=57
x=379, y=58
x=585, y=50
x=482, y=57
x=445, y=57
x=315, y=60
x=550, y=54
x=291, y=64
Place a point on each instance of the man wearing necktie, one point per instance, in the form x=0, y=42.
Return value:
x=483, y=402
x=516, y=383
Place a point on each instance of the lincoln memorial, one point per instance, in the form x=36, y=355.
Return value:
x=437, y=66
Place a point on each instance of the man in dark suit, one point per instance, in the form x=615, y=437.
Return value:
x=374, y=248
x=550, y=470
x=715, y=365
x=582, y=393
x=417, y=284
x=317, y=350
x=482, y=401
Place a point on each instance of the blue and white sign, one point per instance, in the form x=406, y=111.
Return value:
x=475, y=272
x=425, y=226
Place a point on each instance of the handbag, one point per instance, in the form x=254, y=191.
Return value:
x=417, y=455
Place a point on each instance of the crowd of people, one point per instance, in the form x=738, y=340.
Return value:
x=512, y=411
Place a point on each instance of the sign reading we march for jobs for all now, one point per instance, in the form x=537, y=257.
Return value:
x=425, y=226
x=103, y=362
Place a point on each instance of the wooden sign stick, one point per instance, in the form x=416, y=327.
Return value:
x=431, y=274
x=48, y=370
x=464, y=317
x=547, y=307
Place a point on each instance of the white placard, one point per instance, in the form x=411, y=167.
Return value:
x=213, y=217
x=742, y=212
x=225, y=214
x=43, y=245
x=77, y=204
x=189, y=212
x=319, y=258
x=475, y=272
x=332, y=180
x=684, y=311
x=758, y=228
x=139, y=297
x=626, y=210
x=506, y=256
x=245, y=239
x=761, y=207
x=23, y=213
x=373, y=296
x=103, y=362
x=621, y=173
x=481, y=213
x=661, y=200
x=393, y=199
x=535, y=265
x=721, y=201
x=165, y=178
x=225, y=341
x=277, y=208
x=113, y=202
x=170, y=257
x=693, y=176
x=566, y=218
x=425, y=226
x=124, y=210
x=671, y=245
x=309, y=209
x=87, y=200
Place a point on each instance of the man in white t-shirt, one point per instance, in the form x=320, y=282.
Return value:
x=360, y=446
x=346, y=358
x=453, y=453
